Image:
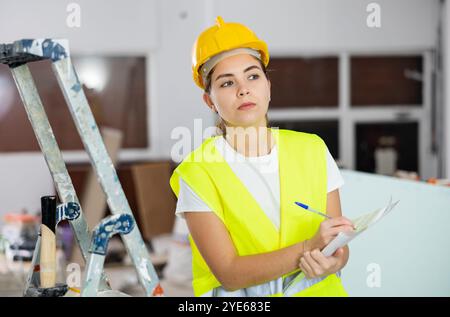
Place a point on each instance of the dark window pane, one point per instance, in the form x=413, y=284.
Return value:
x=304, y=82
x=114, y=86
x=400, y=138
x=386, y=80
x=327, y=130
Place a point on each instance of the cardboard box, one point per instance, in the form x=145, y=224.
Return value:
x=155, y=199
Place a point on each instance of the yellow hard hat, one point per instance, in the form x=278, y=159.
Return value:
x=224, y=37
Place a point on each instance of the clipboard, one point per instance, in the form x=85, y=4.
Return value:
x=362, y=223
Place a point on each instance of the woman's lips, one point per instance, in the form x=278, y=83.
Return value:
x=246, y=105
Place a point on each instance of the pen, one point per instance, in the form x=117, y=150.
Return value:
x=312, y=210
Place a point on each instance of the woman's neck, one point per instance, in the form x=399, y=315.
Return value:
x=250, y=141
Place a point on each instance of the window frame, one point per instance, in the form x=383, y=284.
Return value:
x=348, y=117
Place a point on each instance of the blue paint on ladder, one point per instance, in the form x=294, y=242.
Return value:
x=76, y=87
x=117, y=224
x=50, y=48
x=53, y=50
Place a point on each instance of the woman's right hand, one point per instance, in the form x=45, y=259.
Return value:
x=327, y=231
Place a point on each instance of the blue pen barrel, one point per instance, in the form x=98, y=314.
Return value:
x=302, y=205
x=306, y=207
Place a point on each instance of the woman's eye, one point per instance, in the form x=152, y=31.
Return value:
x=254, y=76
x=227, y=83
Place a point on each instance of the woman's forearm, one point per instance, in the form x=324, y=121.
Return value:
x=256, y=269
x=245, y=271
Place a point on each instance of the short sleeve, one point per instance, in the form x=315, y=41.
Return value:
x=334, y=176
x=188, y=200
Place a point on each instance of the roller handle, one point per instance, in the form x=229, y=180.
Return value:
x=48, y=242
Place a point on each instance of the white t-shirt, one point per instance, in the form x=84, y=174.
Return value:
x=260, y=175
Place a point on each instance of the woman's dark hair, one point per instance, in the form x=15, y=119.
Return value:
x=221, y=126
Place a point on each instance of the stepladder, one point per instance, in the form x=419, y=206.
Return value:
x=17, y=55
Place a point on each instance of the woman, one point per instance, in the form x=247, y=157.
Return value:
x=237, y=191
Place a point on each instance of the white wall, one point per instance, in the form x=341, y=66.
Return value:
x=178, y=100
x=406, y=253
x=446, y=60
x=107, y=27
x=23, y=185
x=324, y=25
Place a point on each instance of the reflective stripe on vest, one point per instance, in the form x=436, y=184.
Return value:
x=303, y=177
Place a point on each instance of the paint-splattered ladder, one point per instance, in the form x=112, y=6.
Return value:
x=16, y=56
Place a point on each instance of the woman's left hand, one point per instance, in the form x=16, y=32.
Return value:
x=315, y=264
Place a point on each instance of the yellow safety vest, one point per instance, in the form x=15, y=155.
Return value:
x=303, y=177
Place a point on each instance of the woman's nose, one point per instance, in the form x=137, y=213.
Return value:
x=243, y=91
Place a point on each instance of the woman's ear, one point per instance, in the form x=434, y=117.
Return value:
x=208, y=101
x=270, y=91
